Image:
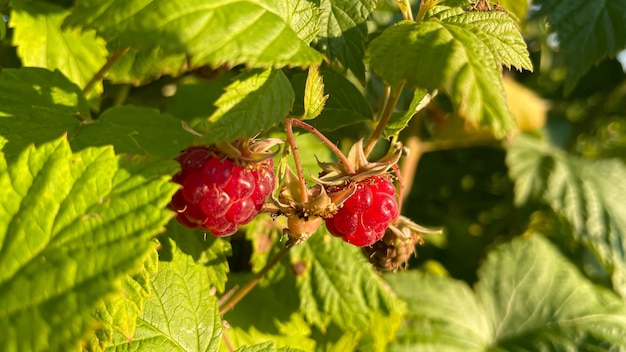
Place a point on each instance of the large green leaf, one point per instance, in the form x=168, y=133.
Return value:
x=71, y=225
x=336, y=285
x=135, y=130
x=433, y=55
x=257, y=33
x=528, y=298
x=41, y=42
x=344, y=31
x=589, y=193
x=37, y=105
x=254, y=102
x=497, y=30
x=181, y=313
x=588, y=31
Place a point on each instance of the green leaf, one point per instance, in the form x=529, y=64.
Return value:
x=254, y=102
x=344, y=31
x=267, y=346
x=118, y=312
x=589, y=193
x=137, y=130
x=518, y=8
x=345, y=106
x=399, y=121
x=337, y=286
x=303, y=17
x=497, y=30
x=71, y=226
x=205, y=249
x=588, y=32
x=41, y=42
x=215, y=33
x=443, y=314
x=314, y=98
x=138, y=67
x=37, y=105
x=451, y=58
x=528, y=298
x=181, y=313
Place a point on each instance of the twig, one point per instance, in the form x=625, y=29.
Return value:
x=296, y=158
x=107, y=66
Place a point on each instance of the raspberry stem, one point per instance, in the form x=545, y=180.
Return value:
x=344, y=160
x=105, y=68
x=392, y=95
x=245, y=289
x=296, y=158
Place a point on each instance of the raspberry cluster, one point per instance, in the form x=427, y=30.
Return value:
x=218, y=193
x=365, y=215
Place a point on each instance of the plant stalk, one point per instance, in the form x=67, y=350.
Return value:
x=296, y=158
x=342, y=158
x=105, y=68
x=244, y=290
x=385, y=115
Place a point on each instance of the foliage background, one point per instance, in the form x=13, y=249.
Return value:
x=532, y=256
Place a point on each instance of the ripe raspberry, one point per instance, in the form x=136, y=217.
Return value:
x=365, y=215
x=219, y=194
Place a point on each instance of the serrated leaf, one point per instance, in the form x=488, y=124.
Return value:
x=254, y=102
x=450, y=58
x=303, y=17
x=41, y=42
x=399, y=121
x=589, y=193
x=181, y=313
x=528, y=298
x=136, y=130
x=37, y=105
x=138, y=67
x=345, y=106
x=314, y=98
x=267, y=346
x=71, y=225
x=443, y=314
x=498, y=31
x=205, y=249
x=343, y=32
x=251, y=32
x=337, y=285
x=118, y=312
x=588, y=32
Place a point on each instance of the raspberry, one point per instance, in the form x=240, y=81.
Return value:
x=365, y=215
x=219, y=194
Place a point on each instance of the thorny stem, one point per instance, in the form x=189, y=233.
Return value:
x=227, y=342
x=244, y=290
x=342, y=158
x=388, y=106
x=107, y=66
x=296, y=158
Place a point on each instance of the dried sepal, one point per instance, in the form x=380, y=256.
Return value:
x=249, y=151
x=335, y=173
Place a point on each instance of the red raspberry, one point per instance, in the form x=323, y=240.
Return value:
x=364, y=217
x=218, y=194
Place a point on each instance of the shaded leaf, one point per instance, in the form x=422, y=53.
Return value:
x=37, y=105
x=71, y=226
x=181, y=313
x=41, y=42
x=343, y=32
x=598, y=27
x=212, y=33
x=136, y=130
x=139, y=67
x=450, y=57
x=254, y=102
x=589, y=193
x=528, y=298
